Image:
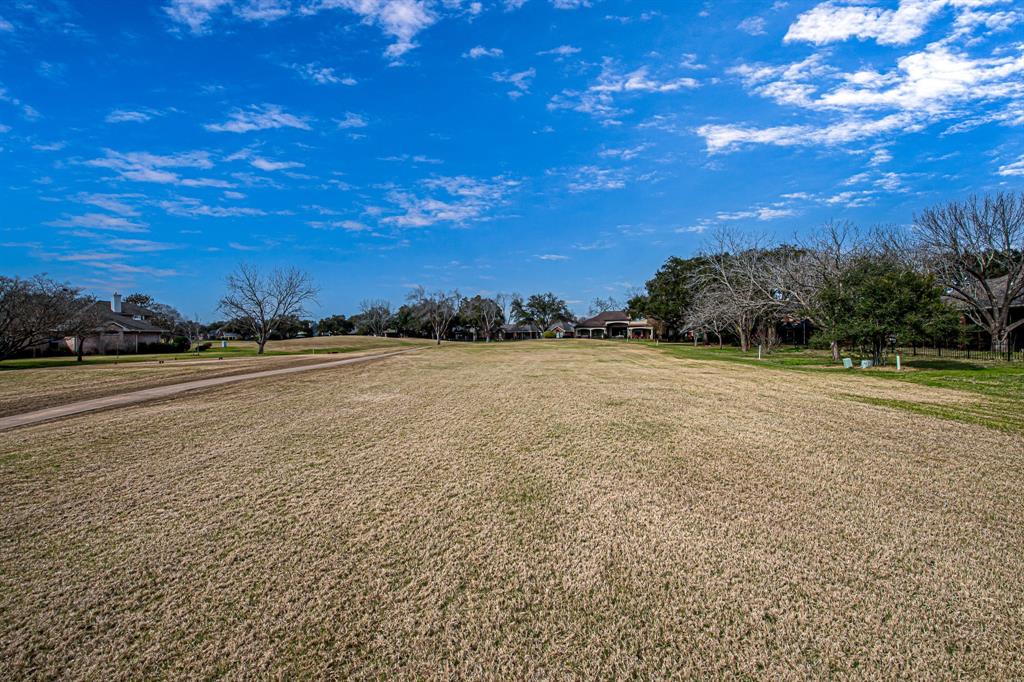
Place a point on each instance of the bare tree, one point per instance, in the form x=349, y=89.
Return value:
x=86, y=320
x=819, y=262
x=707, y=315
x=437, y=310
x=485, y=313
x=603, y=305
x=734, y=276
x=376, y=314
x=34, y=310
x=260, y=302
x=975, y=249
x=504, y=302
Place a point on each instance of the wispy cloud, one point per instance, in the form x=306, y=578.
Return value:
x=561, y=51
x=481, y=51
x=262, y=163
x=591, y=178
x=322, y=75
x=259, y=117
x=147, y=167
x=351, y=120
x=519, y=80
x=455, y=200
x=599, y=99
x=754, y=26
x=401, y=20
x=99, y=221
x=194, y=208
x=129, y=116
x=943, y=81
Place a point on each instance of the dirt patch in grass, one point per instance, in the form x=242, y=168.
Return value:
x=647, y=518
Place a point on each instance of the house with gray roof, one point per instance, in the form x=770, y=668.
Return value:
x=121, y=328
x=613, y=324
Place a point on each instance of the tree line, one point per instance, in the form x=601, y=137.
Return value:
x=957, y=268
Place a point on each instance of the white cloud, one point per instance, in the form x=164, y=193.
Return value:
x=50, y=146
x=347, y=225
x=481, y=51
x=1013, y=169
x=551, y=257
x=457, y=200
x=99, y=221
x=561, y=51
x=194, y=208
x=592, y=178
x=263, y=163
x=413, y=158
x=146, y=167
x=128, y=116
x=754, y=26
x=598, y=100
x=729, y=137
x=322, y=75
x=833, y=22
x=6, y=26
x=520, y=81
x=351, y=120
x=258, y=117
x=940, y=82
x=114, y=203
x=626, y=153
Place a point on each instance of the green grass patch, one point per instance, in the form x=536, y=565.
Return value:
x=1005, y=417
x=1001, y=383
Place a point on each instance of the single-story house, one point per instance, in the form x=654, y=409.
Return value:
x=563, y=330
x=519, y=332
x=614, y=324
x=122, y=327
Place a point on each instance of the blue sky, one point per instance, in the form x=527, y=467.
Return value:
x=500, y=145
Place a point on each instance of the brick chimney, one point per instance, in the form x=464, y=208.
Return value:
x=115, y=303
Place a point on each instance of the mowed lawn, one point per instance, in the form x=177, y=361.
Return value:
x=529, y=510
x=27, y=385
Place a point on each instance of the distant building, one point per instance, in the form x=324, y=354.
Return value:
x=123, y=327
x=520, y=332
x=563, y=330
x=617, y=324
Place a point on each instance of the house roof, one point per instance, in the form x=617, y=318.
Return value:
x=998, y=287
x=125, y=319
x=601, y=319
x=564, y=326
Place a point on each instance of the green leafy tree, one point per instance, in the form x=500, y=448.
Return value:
x=669, y=294
x=335, y=325
x=542, y=310
x=877, y=300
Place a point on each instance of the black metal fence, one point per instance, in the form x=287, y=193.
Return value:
x=1011, y=354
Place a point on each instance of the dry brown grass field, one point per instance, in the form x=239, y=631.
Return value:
x=531, y=510
x=23, y=390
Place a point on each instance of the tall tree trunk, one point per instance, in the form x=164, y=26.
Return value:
x=79, y=342
x=1000, y=338
x=834, y=347
x=261, y=344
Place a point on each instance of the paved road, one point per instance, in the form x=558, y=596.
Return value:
x=122, y=399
